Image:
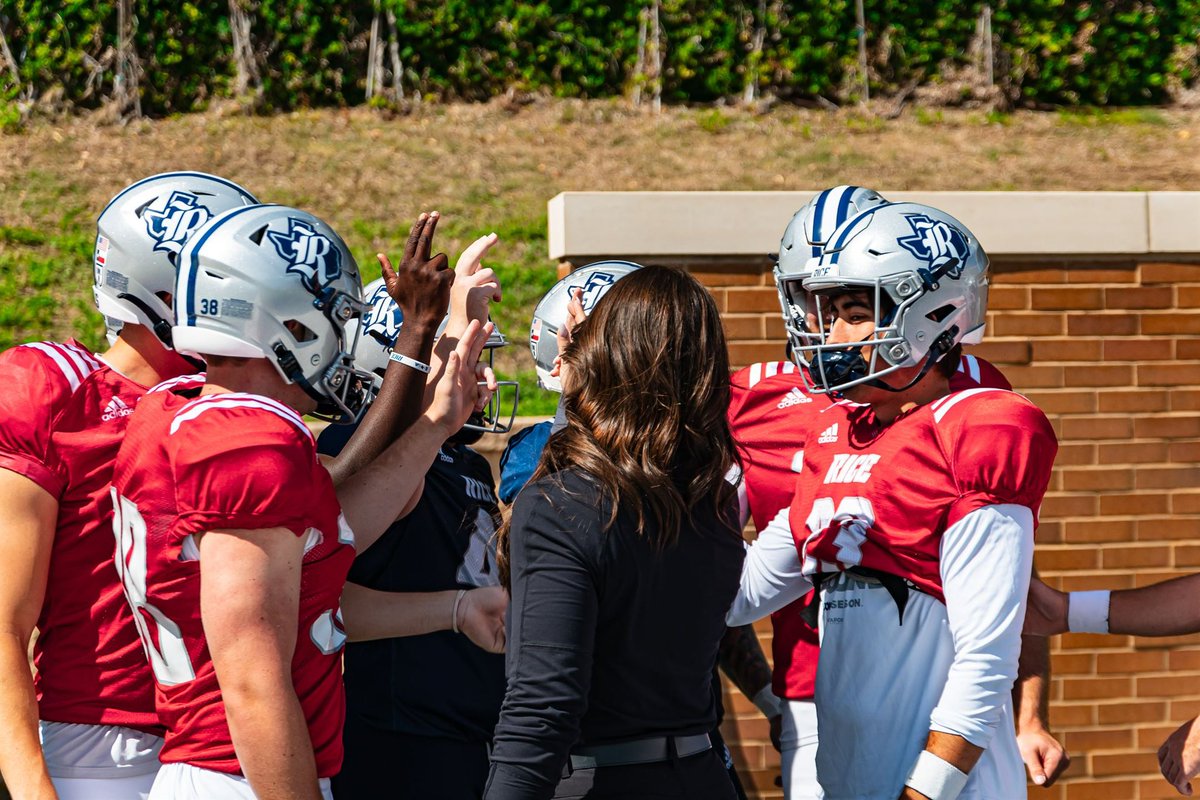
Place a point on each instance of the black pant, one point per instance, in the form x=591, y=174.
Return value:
x=718, y=743
x=698, y=777
x=382, y=765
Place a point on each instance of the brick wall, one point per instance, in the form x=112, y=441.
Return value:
x=1109, y=350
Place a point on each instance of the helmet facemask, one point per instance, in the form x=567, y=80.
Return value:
x=501, y=410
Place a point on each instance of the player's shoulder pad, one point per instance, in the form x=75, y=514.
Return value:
x=238, y=417
x=988, y=433
x=751, y=377
x=974, y=371
x=54, y=370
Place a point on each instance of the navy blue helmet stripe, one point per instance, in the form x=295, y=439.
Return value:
x=849, y=226
x=194, y=264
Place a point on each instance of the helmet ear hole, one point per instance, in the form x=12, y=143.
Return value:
x=300, y=331
x=258, y=235
x=940, y=313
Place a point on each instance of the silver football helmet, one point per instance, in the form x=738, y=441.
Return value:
x=139, y=236
x=551, y=311
x=375, y=334
x=277, y=283
x=112, y=330
x=927, y=276
x=811, y=227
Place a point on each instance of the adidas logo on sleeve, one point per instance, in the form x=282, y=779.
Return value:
x=828, y=435
x=115, y=409
x=794, y=397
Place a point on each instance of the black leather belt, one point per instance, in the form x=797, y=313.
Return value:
x=640, y=751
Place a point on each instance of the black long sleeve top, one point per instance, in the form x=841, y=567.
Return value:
x=608, y=640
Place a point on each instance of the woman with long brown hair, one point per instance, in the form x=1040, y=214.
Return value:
x=622, y=556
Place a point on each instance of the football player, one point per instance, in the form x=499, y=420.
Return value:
x=412, y=731
x=233, y=542
x=909, y=499
x=63, y=413
x=770, y=402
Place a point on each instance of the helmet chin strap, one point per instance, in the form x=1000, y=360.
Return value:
x=849, y=364
x=161, y=329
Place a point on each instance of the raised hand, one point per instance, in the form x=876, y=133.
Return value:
x=575, y=315
x=1046, y=613
x=457, y=390
x=474, y=287
x=421, y=284
x=481, y=617
x=1179, y=756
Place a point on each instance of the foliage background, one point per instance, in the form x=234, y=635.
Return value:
x=315, y=52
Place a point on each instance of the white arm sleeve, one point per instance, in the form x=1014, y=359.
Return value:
x=986, y=560
x=771, y=575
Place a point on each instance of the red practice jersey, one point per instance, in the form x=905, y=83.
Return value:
x=227, y=462
x=881, y=497
x=769, y=410
x=63, y=414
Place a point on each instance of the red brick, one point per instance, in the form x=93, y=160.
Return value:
x=1164, y=528
x=1003, y=351
x=720, y=299
x=1139, y=297
x=1093, y=428
x=774, y=329
x=743, y=326
x=1129, y=711
x=1073, y=664
x=1135, y=503
x=1183, y=709
x=1186, y=503
x=1184, y=452
x=1030, y=274
x=1187, y=296
x=1152, y=738
x=1187, y=555
x=1135, y=556
x=1184, y=660
x=1102, y=324
x=1033, y=377
x=1117, y=273
x=1187, y=349
x=1099, y=530
x=1132, y=452
x=751, y=300
x=744, y=353
x=1006, y=298
x=1120, y=764
x=1087, y=741
x=1172, y=324
x=1064, y=402
x=1140, y=350
x=713, y=276
x=1098, y=375
x=1168, y=374
x=1069, y=505
x=1039, y=324
x=1132, y=400
x=1096, y=688
x=1072, y=349
x=1094, y=641
x=1131, y=663
x=1050, y=533
x=1070, y=558
x=1087, y=583
x=1156, y=788
x=1075, y=298
x=1158, y=686
x=1167, y=427
x=1153, y=272
x=1101, y=790
x=1184, y=399
x=1066, y=714
x=1166, y=477
x=1078, y=479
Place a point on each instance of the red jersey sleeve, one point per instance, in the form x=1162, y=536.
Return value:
x=974, y=372
x=241, y=468
x=1000, y=447
x=35, y=391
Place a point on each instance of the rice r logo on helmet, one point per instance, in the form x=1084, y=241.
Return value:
x=597, y=284
x=383, y=319
x=936, y=243
x=171, y=224
x=309, y=254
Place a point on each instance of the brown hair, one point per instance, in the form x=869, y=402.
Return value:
x=646, y=403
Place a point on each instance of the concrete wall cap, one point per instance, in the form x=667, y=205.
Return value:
x=584, y=224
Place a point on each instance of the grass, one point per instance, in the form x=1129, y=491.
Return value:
x=491, y=168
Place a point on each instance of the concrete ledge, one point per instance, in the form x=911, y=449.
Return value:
x=586, y=224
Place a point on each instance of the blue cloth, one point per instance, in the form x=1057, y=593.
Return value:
x=521, y=458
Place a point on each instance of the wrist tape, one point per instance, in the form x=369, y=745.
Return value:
x=935, y=777
x=1087, y=612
